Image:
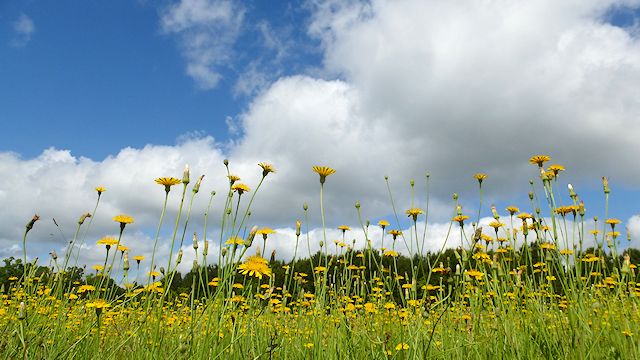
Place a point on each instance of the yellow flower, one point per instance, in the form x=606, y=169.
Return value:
x=547, y=246
x=613, y=221
x=564, y=210
x=474, y=274
x=123, y=248
x=123, y=220
x=138, y=258
x=98, y=304
x=390, y=253
x=266, y=168
x=480, y=177
x=168, y=182
x=512, y=210
x=255, y=266
x=308, y=345
x=414, y=212
x=496, y=225
x=383, y=223
x=402, y=346
x=555, y=169
x=234, y=240
x=319, y=269
x=233, y=178
x=323, y=171
x=85, y=288
x=100, y=190
x=265, y=231
x=108, y=241
x=566, y=252
x=539, y=159
x=98, y=267
x=627, y=333
x=394, y=233
x=344, y=228
x=460, y=219
x=240, y=188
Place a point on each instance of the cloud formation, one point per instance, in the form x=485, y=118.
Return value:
x=23, y=28
x=407, y=86
x=207, y=31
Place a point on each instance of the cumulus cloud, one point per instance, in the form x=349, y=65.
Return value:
x=207, y=31
x=23, y=28
x=408, y=86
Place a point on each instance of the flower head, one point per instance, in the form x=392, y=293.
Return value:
x=480, y=177
x=266, y=168
x=255, y=266
x=323, y=171
x=414, y=212
x=539, y=159
x=168, y=182
x=344, y=228
x=240, y=188
x=383, y=224
x=108, y=241
x=123, y=220
x=100, y=190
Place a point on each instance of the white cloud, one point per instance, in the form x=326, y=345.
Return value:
x=24, y=28
x=207, y=30
x=449, y=87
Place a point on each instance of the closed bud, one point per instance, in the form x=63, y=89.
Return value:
x=195, y=265
x=357, y=204
x=412, y=183
x=225, y=162
x=298, y=227
x=83, y=218
x=179, y=259
x=195, y=241
x=185, y=175
x=530, y=195
x=494, y=211
x=205, y=251
x=459, y=210
x=455, y=196
x=321, y=243
x=224, y=252
x=196, y=187
x=427, y=175
x=305, y=207
x=252, y=235
x=581, y=209
x=54, y=255
x=605, y=185
x=22, y=311
x=125, y=267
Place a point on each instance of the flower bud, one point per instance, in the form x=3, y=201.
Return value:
x=224, y=251
x=179, y=259
x=83, y=218
x=33, y=221
x=305, y=207
x=225, y=162
x=126, y=262
x=455, y=196
x=205, y=251
x=22, y=311
x=195, y=241
x=185, y=175
x=252, y=235
x=605, y=185
x=357, y=204
x=54, y=255
x=196, y=187
x=298, y=226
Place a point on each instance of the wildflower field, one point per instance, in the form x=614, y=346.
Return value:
x=524, y=286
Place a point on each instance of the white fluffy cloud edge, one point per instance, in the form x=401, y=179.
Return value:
x=407, y=86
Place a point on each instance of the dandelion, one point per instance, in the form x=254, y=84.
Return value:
x=234, y=240
x=123, y=220
x=323, y=171
x=108, y=241
x=233, y=179
x=266, y=168
x=512, y=210
x=168, y=182
x=383, y=224
x=539, y=159
x=390, y=253
x=474, y=274
x=414, y=212
x=255, y=266
x=480, y=177
x=460, y=219
x=100, y=190
x=555, y=169
x=240, y=188
x=394, y=233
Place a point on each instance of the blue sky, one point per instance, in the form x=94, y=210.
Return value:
x=118, y=93
x=96, y=77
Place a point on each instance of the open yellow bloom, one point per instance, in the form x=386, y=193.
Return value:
x=539, y=159
x=255, y=266
x=266, y=168
x=168, y=182
x=240, y=188
x=323, y=171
